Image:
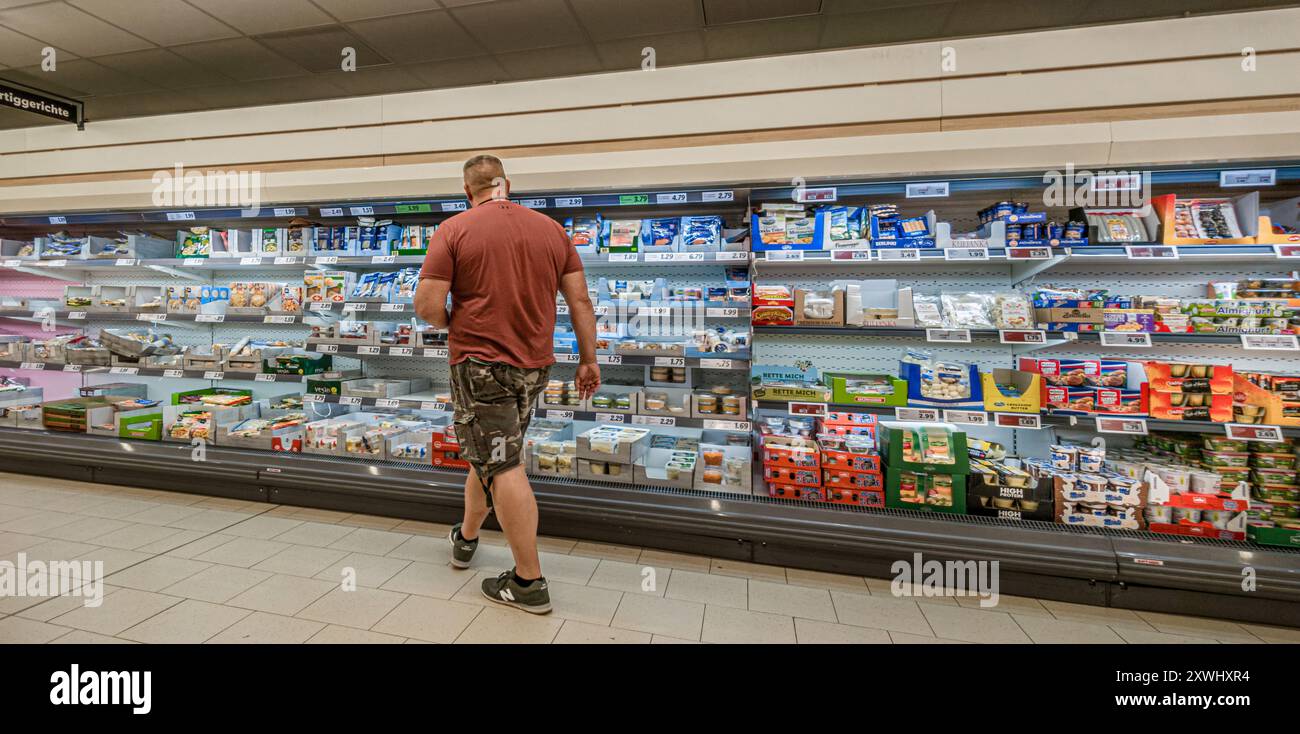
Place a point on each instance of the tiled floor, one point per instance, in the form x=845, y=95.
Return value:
x=185, y=568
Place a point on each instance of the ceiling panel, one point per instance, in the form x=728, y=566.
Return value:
x=382, y=80
x=673, y=49
x=354, y=10
x=419, y=37
x=164, y=68
x=32, y=76
x=240, y=58
x=91, y=78
x=321, y=49
x=993, y=16
x=265, y=16
x=271, y=91
x=749, y=11
x=610, y=20
x=139, y=105
x=866, y=29
x=775, y=37
x=19, y=50
x=165, y=22
x=550, y=62
x=12, y=119
x=62, y=25
x=517, y=25
x=459, y=72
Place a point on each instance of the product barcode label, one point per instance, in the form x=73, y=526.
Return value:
x=932, y=190
x=609, y=359
x=173, y=373
x=321, y=307
x=918, y=415
x=715, y=364
x=436, y=352
x=277, y=319
x=1287, y=252
x=670, y=361
x=611, y=418
x=367, y=350
x=722, y=313
x=214, y=375
x=714, y=425
x=1125, y=339
x=387, y=403
x=653, y=420
x=1151, y=252
x=327, y=348
x=264, y=377
x=658, y=257
x=383, y=259
x=11, y=263
x=209, y=318
x=401, y=351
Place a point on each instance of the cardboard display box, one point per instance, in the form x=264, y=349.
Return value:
x=907, y=490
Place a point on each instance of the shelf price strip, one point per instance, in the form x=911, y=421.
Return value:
x=1126, y=426
x=1125, y=339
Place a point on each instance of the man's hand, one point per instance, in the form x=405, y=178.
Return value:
x=587, y=379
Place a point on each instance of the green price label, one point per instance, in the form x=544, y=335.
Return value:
x=633, y=199
x=413, y=209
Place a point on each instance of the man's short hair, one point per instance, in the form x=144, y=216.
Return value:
x=482, y=172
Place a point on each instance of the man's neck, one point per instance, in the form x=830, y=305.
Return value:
x=483, y=198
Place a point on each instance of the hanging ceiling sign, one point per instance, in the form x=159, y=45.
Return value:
x=19, y=97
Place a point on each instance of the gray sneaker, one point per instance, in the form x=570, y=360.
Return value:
x=503, y=589
x=462, y=551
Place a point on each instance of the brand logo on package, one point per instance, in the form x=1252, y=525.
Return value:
x=77, y=687
x=19, y=97
x=919, y=577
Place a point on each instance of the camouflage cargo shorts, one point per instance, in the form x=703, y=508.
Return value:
x=493, y=403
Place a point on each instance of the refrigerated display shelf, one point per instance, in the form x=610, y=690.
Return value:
x=996, y=335
x=724, y=360
x=1131, y=570
x=150, y=317
x=712, y=309
x=170, y=372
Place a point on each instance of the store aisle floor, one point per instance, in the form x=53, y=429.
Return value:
x=183, y=568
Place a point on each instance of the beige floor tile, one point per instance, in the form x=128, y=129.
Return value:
x=273, y=629
x=903, y=638
x=135, y=536
x=1276, y=635
x=337, y=635
x=1006, y=603
x=262, y=527
x=210, y=521
x=555, y=545
x=115, y=559
x=181, y=539
x=281, y=511
x=724, y=625
x=823, y=580
x=156, y=574
x=11, y=543
x=280, y=594
x=314, y=533
x=373, y=542
x=886, y=613
x=46, y=608
x=582, y=633
x=164, y=514
x=39, y=523
x=708, y=588
x=670, y=617
x=669, y=559
x=82, y=637
x=189, y=623
x=200, y=545
x=230, y=504
x=579, y=603
x=632, y=578
x=1136, y=636
x=243, y=552
x=624, y=553
x=1089, y=614
x=57, y=550
x=431, y=620
x=373, y=522
x=791, y=601
x=122, y=609
x=419, y=527
x=973, y=625
x=118, y=508
x=747, y=570
x=428, y=579
x=301, y=560
x=313, y=514
x=501, y=625
x=471, y=592
x=217, y=584
x=366, y=570
x=425, y=548
x=16, y=630
x=917, y=593
x=77, y=503
x=1214, y=629
x=13, y=512
x=569, y=569
x=360, y=608
x=1052, y=631
x=666, y=640
x=808, y=631
x=84, y=529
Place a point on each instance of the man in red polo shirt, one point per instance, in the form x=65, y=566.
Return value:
x=503, y=264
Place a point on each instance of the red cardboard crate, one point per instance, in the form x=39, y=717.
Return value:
x=852, y=479
x=788, y=475
x=795, y=492
x=860, y=497
x=847, y=461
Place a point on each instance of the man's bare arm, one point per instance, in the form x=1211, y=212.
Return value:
x=583, y=317
x=431, y=302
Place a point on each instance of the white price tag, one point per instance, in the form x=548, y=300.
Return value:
x=1288, y=252
x=361, y=211
x=194, y=262
x=722, y=313
x=1116, y=182
x=1251, y=432
x=570, y=358
x=611, y=418
x=679, y=197
x=609, y=359
x=718, y=196
x=658, y=310
x=388, y=403
x=1151, y=252
x=568, y=201
x=125, y=262
x=714, y=425
x=33, y=366
x=715, y=364
x=688, y=257
x=959, y=336
x=1127, y=426
x=209, y=318
x=1257, y=177
x=154, y=317
x=1125, y=339
x=1270, y=342
x=597, y=310
x=454, y=206
x=327, y=260
x=173, y=373
x=401, y=351
x=622, y=257
x=320, y=307
x=354, y=306
x=368, y=350
x=71, y=368
x=670, y=361
x=56, y=263
x=326, y=348
x=58, y=220
x=278, y=319
x=393, y=307
x=658, y=257
x=560, y=415
x=965, y=253
x=563, y=310
x=180, y=216
x=1022, y=336
x=289, y=212
x=383, y=259
x=785, y=255
x=264, y=377
x=312, y=397
x=533, y=203
x=436, y=352
x=124, y=371
x=214, y=375
x=918, y=415
x=653, y=420
x=287, y=261
x=332, y=212
x=966, y=417
x=77, y=315
x=1017, y=420
x=901, y=253
x=11, y=263
x=250, y=261
x=432, y=405
x=731, y=256
x=349, y=400
x=934, y=190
